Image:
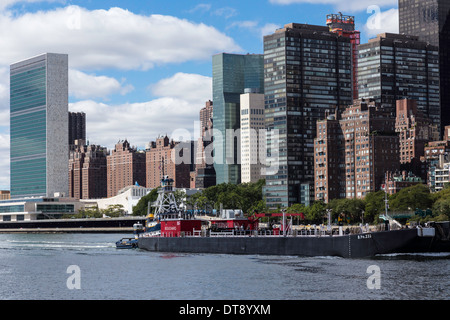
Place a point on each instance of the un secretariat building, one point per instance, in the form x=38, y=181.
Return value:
x=38, y=126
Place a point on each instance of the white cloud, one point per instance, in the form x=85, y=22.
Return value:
x=269, y=28
x=226, y=12
x=183, y=95
x=184, y=86
x=137, y=122
x=91, y=86
x=347, y=5
x=4, y=89
x=201, y=7
x=255, y=27
x=383, y=21
x=114, y=38
x=4, y=161
x=4, y=118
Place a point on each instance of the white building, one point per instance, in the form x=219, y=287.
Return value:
x=128, y=197
x=253, y=138
x=442, y=176
x=28, y=209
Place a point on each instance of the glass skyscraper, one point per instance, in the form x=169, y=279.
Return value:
x=430, y=21
x=393, y=67
x=39, y=126
x=232, y=74
x=307, y=72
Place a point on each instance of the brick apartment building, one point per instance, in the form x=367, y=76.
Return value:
x=159, y=161
x=87, y=171
x=415, y=131
x=353, y=150
x=125, y=167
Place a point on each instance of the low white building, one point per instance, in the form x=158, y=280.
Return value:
x=442, y=176
x=127, y=197
x=27, y=209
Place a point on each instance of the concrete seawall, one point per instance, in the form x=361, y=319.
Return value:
x=68, y=230
x=100, y=225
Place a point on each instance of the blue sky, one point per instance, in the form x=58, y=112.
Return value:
x=143, y=68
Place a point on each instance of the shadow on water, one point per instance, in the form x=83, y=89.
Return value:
x=421, y=256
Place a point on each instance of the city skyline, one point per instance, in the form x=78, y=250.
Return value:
x=126, y=81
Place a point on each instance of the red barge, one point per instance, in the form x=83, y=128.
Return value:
x=171, y=230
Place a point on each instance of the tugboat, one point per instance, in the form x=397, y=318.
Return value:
x=167, y=219
x=131, y=243
x=127, y=243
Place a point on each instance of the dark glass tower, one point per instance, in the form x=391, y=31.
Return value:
x=393, y=67
x=430, y=20
x=232, y=74
x=77, y=127
x=307, y=72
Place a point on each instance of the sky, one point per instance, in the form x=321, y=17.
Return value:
x=143, y=68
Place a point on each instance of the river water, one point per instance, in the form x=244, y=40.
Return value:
x=89, y=267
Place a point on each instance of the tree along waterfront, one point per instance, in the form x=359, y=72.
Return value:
x=416, y=203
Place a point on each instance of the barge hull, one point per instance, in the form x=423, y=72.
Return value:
x=348, y=246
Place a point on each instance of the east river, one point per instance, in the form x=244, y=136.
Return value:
x=89, y=267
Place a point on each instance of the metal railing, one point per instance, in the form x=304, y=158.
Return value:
x=317, y=231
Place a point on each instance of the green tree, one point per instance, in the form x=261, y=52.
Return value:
x=352, y=209
x=141, y=208
x=198, y=201
x=316, y=212
x=113, y=210
x=374, y=206
x=442, y=207
x=297, y=208
x=179, y=197
x=246, y=196
x=411, y=198
x=89, y=213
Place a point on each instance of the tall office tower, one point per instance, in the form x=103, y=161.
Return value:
x=430, y=21
x=206, y=117
x=393, y=67
x=253, y=137
x=205, y=175
x=125, y=167
x=161, y=161
x=87, y=171
x=353, y=153
x=307, y=71
x=206, y=125
x=415, y=131
x=38, y=126
x=345, y=26
x=232, y=74
x=77, y=127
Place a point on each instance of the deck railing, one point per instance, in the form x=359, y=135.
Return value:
x=317, y=231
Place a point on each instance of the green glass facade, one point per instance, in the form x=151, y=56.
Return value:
x=39, y=126
x=232, y=74
x=28, y=130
